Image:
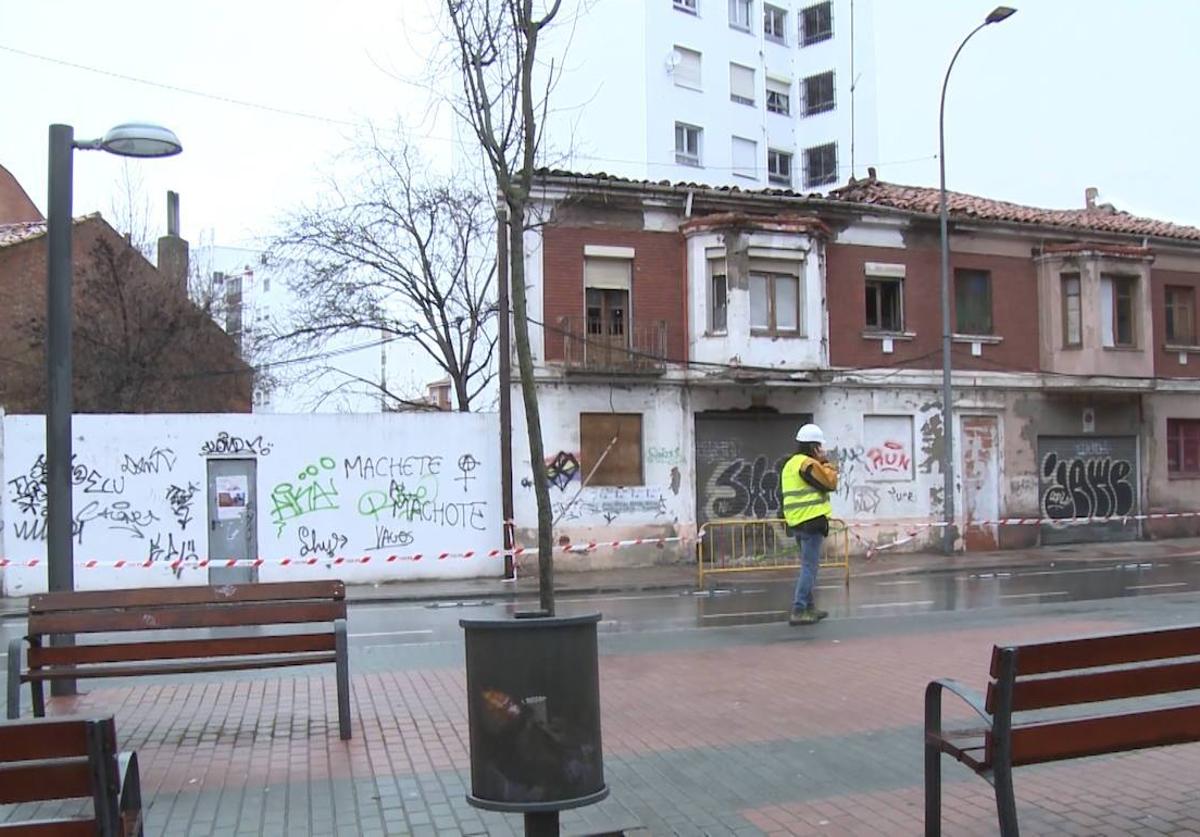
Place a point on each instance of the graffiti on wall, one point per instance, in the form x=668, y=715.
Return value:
x=332, y=486
x=891, y=457
x=1086, y=486
x=611, y=504
x=562, y=469
x=746, y=488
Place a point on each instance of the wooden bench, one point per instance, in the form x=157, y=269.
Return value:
x=69, y=758
x=150, y=610
x=1064, y=676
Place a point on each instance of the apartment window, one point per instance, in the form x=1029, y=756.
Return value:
x=1181, y=310
x=779, y=97
x=687, y=144
x=1183, y=447
x=1118, y=297
x=779, y=167
x=607, y=283
x=1072, y=309
x=973, y=301
x=820, y=165
x=745, y=157
x=741, y=84
x=774, y=303
x=611, y=443
x=818, y=93
x=718, y=297
x=686, y=6
x=885, y=304
x=774, y=24
x=816, y=23
x=739, y=14
x=687, y=70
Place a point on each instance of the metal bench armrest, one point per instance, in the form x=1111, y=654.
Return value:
x=129, y=790
x=14, y=678
x=933, y=703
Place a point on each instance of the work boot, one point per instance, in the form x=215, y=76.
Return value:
x=803, y=616
x=819, y=614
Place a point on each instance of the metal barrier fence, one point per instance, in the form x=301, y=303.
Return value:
x=741, y=545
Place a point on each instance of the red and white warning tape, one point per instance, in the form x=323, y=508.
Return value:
x=340, y=560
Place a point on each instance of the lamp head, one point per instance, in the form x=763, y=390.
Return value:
x=1000, y=13
x=140, y=139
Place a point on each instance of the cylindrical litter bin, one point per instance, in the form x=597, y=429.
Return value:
x=533, y=707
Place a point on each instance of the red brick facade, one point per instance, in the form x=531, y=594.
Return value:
x=1014, y=310
x=658, y=283
x=193, y=366
x=1166, y=363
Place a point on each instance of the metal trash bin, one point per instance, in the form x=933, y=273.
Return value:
x=533, y=708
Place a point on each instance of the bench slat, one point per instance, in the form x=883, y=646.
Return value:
x=66, y=655
x=187, y=616
x=1104, y=650
x=1094, y=687
x=195, y=594
x=35, y=781
x=51, y=828
x=1056, y=740
x=45, y=738
x=117, y=670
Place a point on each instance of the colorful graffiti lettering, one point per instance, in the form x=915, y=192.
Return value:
x=562, y=470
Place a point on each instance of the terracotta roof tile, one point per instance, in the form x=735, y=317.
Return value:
x=16, y=233
x=924, y=200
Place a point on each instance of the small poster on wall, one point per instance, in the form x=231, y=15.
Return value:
x=231, y=497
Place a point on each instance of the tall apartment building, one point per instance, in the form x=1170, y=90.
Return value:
x=743, y=93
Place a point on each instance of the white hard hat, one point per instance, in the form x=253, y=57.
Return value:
x=810, y=433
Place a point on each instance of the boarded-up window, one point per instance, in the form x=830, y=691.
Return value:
x=622, y=464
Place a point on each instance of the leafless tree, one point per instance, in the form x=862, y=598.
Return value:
x=496, y=43
x=139, y=344
x=397, y=255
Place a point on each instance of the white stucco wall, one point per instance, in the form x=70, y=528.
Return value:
x=327, y=486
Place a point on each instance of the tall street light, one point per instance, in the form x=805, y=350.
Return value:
x=129, y=140
x=948, y=532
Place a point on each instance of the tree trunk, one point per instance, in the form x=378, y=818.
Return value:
x=533, y=421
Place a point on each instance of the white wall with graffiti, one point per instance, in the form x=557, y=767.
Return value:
x=382, y=487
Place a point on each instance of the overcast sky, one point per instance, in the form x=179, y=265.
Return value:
x=1064, y=95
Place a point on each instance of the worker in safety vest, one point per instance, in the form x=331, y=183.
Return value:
x=805, y=484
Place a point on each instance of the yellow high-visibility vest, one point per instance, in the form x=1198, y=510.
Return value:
x=801, y=501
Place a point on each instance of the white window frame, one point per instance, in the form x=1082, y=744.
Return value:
x=717, y=271
x=739, y=9
x=736, y=92
x=688, y=6
x=774, y=176
x=684, y=157
x=749, y=150
x=686, y=80
x=775, y=34
x=779, y=89
x=881, y=277
x=772, y=274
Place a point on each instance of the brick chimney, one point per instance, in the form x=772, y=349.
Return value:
x=173, y=250
x=1089, y=197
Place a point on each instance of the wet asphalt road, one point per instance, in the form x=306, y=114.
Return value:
x=415, y=634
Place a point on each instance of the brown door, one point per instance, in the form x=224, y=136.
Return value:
x=607, y=326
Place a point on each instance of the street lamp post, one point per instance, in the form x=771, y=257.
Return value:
x=129, y=140
x=948, y=532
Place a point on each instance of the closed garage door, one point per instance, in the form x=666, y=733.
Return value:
x=1085, y=477
x=738, y=460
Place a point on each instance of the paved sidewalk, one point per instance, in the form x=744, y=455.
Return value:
x=683, y=576
x=769, y=730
